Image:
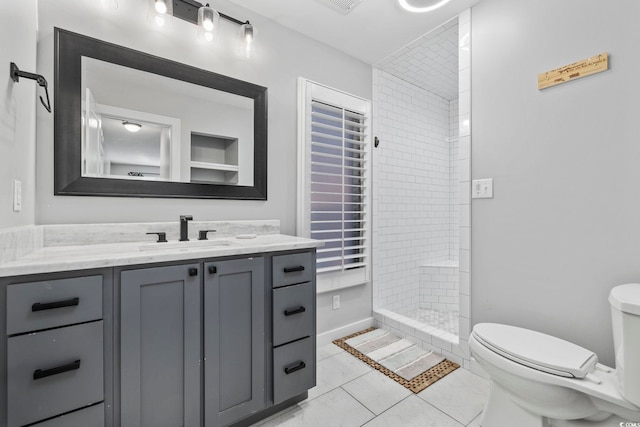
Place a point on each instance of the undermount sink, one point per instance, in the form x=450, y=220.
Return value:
x=190, y=244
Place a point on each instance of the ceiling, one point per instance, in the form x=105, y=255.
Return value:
x=430, y=62
x=371, y=31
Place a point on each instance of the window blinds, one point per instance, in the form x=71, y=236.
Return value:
x=338, y=186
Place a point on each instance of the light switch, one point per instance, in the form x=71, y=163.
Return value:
x=17, y=195
x=482, y=188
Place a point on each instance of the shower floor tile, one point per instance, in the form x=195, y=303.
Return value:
x=445, y=320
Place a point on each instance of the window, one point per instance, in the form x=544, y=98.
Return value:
x=334, y=169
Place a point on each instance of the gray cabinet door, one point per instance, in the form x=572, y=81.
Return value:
x=234, y=340
x=160, y=346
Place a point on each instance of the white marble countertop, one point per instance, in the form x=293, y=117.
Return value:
x=83, y=257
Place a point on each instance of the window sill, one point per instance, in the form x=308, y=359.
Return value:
x=329, y=288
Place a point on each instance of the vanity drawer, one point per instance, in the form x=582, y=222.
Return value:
x=291, y=269
x=51, y=303
x=293, y=313
x=294, y=369
x=92, y=416
x=52, y=372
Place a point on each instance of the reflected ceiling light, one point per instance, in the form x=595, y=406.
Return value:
x=132, y=127
x=419, y=9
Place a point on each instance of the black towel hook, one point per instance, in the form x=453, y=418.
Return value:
x=16, y=73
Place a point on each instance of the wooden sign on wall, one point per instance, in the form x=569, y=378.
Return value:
x=586, y=67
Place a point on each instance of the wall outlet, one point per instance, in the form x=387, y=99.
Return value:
x=336, y=302
x=482, y=188
x=17, y=195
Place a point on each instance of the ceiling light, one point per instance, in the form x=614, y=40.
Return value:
x=161, y=6
x=246, y=32
x=419, y=9
x=208, y=18
x=204, y=16
x=132, y=127
x=245, y=40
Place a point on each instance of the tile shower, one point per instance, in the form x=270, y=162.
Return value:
x=418, y=177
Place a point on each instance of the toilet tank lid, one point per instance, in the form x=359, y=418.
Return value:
x=626, y=298
x=536, y=350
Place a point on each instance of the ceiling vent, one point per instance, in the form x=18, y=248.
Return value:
x=344, y=6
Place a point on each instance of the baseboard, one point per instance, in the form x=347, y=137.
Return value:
x=343, y=331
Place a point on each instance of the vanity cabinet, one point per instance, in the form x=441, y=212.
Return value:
x=160, y=346
x=198, y=343
x=294, y=325
x=234, y=340
x=53, y=355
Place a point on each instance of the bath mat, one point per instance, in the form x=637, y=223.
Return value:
x=397, y=358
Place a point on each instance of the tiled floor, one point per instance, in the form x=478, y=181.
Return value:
x=350, y=393
x=445, y=320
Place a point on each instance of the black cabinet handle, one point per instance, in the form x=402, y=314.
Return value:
x=193, y=272
x=43, y=373
x=294, y=269
x=300, y=309
x=296, y=367
x=39, y=306
x=213, y=269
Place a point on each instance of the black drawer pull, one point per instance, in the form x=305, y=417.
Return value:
x=39, y=306
x=300, y=309
x=213, y=269
x=294, y=269
x=40, y=373
x=296, y=367
x=193, y=272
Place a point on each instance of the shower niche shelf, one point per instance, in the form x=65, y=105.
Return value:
x=214, y=159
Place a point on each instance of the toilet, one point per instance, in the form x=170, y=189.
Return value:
x=538, y=380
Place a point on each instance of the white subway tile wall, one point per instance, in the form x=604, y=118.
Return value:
x=413, y=185
x=439, y=288
x=421, y=200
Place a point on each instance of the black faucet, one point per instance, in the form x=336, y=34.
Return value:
x=184, y=227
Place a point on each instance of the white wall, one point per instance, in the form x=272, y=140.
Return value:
x=18, y=111
x=564, y=226
x=282, y=55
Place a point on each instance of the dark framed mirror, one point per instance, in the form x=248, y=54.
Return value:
x=131, y=124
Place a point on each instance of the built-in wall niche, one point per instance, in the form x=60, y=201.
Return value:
x=214, y=159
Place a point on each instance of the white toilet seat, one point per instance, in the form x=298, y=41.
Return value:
x=536, y=350
x=605, y=388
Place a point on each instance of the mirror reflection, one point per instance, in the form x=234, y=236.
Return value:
x=144, y=126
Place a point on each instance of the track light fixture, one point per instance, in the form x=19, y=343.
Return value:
x=204, y=16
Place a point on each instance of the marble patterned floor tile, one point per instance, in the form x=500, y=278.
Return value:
x=335, y=408
x=413, y=412
x=475, y=422
x=328, y=350
x=376, y=391
x=461, y=394
x=336, y=370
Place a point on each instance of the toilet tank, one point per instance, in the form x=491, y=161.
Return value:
x=625, y=316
